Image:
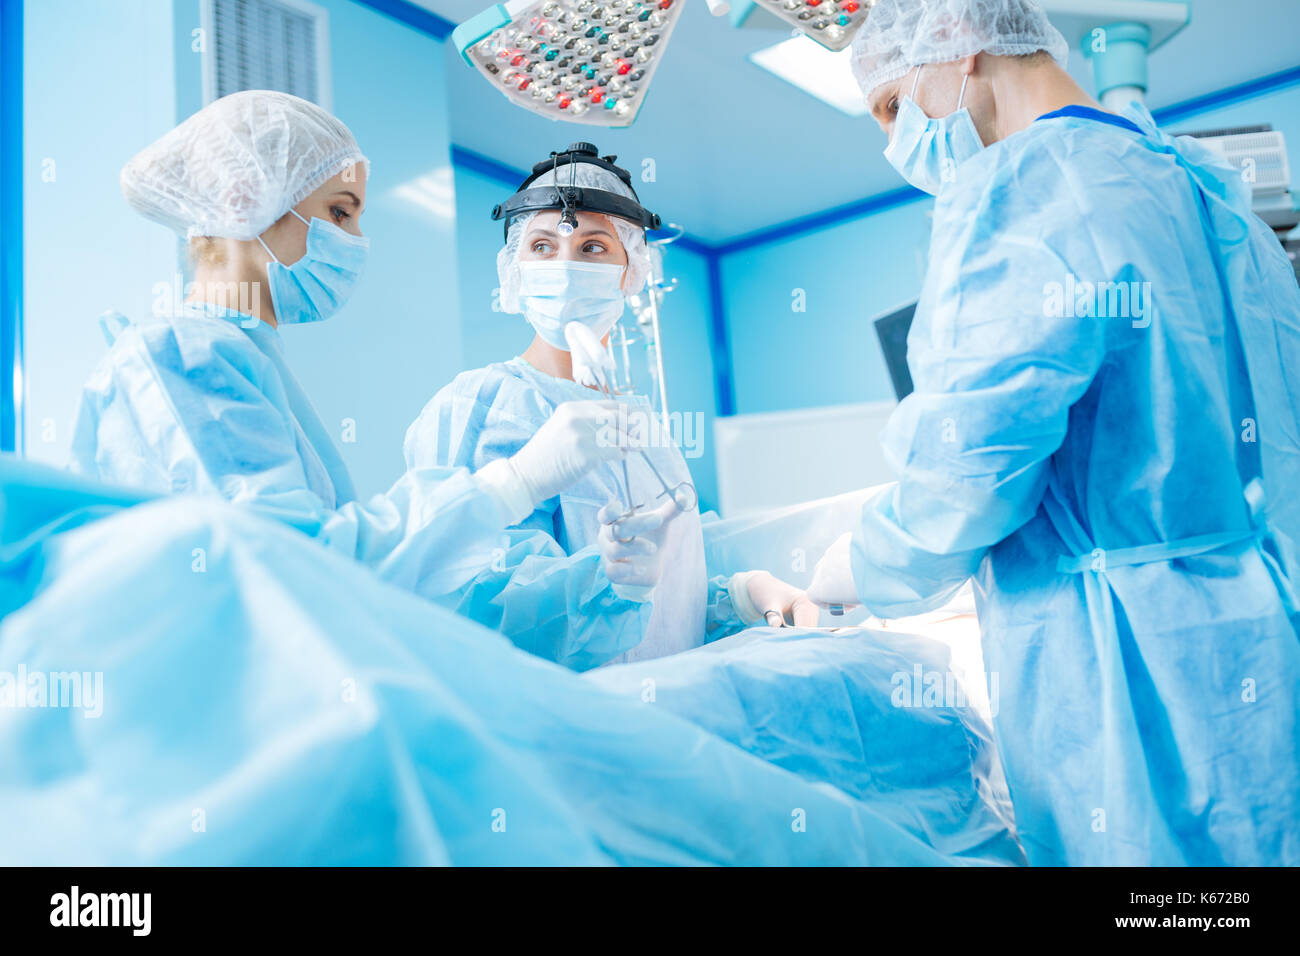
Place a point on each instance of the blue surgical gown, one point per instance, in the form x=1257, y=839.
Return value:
x=278, y=703
x=1119, y=467
x=490, y=413
x=204, y=402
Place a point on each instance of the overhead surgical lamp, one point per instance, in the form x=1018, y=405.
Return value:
x=831, y=23
x=584, y=61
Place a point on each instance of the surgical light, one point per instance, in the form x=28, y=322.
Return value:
x=831, y=23
x=584, y=61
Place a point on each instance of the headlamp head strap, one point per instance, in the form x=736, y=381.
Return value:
x=570, y=198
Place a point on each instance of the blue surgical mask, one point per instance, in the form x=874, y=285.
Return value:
x=317, y=285
x=927, y=151
x=553, y=294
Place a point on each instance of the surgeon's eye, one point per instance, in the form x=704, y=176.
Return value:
x=541, y=247
x=893, y=106
x=594, y=248
x=340, y=214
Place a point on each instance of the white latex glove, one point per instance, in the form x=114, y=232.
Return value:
x=593, y=365
x=632, y=555
x=575, y=439
x=832, y=581
x=760, y=598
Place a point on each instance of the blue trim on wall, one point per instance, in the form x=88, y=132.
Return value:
x=824, y=219
x=487, y=166
x=11, y=224
x=1232, y=94
x=687, y=242
x=724, y=386
x=418, y=18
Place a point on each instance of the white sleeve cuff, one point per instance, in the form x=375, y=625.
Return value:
x=635, y=593
x=738, y=589
x=499, y=479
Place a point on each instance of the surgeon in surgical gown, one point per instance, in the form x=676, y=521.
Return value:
x=543, y=597
x=1105, y=432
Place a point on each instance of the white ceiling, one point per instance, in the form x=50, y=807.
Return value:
x=737, y=149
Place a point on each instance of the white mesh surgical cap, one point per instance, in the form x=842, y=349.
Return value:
x=239, y=164
x=901, y=34
x=632, y=235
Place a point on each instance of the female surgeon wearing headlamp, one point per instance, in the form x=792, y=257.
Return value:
x=269, y=189
x=652, y=595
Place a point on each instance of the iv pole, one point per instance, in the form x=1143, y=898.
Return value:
x=654, y=290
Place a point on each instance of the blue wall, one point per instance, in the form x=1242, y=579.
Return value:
x=848, y=275
x=85, y=251
x=487, y=334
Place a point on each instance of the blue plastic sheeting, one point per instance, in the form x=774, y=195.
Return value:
x=247, y=696
x=880, y=716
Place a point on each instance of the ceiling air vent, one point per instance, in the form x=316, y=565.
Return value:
x=266, y=45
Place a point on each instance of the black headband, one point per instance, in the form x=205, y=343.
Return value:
x=572, y=199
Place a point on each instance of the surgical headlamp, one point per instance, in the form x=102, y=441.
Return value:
x=571, y=199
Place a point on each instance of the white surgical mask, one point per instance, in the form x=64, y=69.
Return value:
x=927, y=151
x=553, y=294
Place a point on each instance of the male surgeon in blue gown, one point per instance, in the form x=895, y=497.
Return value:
x=1104, y=433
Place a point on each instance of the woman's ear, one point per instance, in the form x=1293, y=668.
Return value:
x=209, y=251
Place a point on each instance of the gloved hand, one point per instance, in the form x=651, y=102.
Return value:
x=593, y=364
x=760, y=598
x=576, y=438
x=632, y=550
x=832, y=581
